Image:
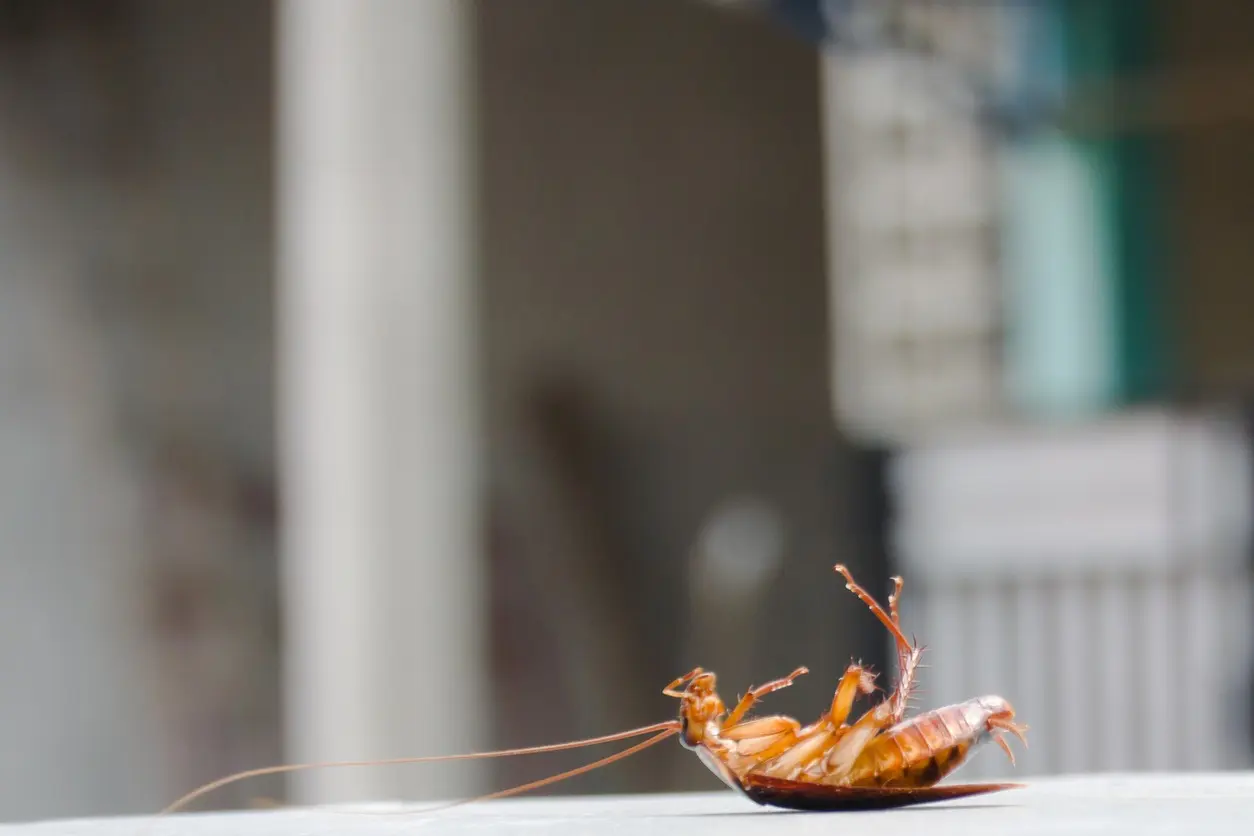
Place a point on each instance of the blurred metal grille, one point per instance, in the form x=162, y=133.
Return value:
x=1097, y=577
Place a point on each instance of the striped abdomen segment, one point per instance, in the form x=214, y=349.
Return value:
x=922, y=750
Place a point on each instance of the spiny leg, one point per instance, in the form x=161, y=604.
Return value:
x=905, y=683
x=907, y=658
x=755, y=694
x=832, y=743
x=907, y=654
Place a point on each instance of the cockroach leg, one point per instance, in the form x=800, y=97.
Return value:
x=856, y=680
x=806, y=751
x=822, y=741
x=894, y=600
x=755, y=694
x=672, y=690
x=908, y=654
x=761, y=738
x=840, y=759
x=759, y=727
x=887, y=620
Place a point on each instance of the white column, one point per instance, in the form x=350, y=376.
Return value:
x=384, y=596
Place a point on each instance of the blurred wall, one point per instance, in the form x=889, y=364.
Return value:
x=655, y=307
x=135, y=402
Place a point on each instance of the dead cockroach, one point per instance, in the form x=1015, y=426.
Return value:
x=882, y=760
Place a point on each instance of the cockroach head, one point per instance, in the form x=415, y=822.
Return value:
x=699, y=703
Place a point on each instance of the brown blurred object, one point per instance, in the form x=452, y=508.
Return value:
x=1194, y=96
x=571, y=554
x=215, y=621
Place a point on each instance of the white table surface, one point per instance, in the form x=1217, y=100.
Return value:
x=1144, y=804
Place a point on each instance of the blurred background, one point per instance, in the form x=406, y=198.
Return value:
x=386, y=378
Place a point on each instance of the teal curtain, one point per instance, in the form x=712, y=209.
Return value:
x=1084, y=246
